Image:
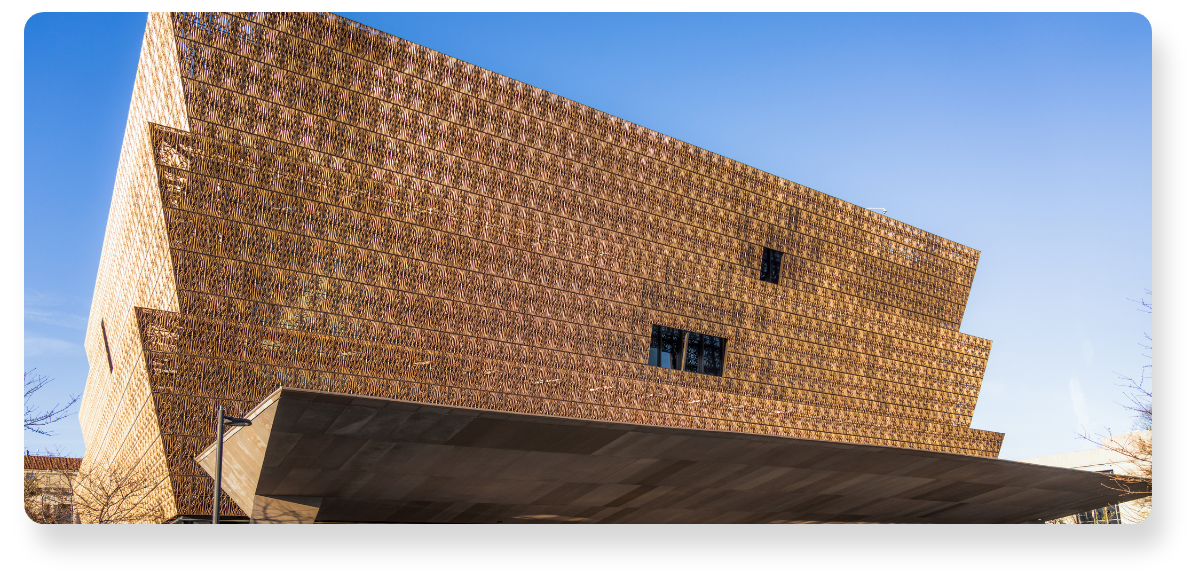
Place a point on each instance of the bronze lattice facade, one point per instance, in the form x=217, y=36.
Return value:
x=305, y=202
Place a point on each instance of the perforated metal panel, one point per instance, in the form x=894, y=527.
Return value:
x=347, y=211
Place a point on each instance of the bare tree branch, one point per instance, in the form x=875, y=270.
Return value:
x=49, y=496
x=117, y=493
x=35, y=420
x=1136, y=448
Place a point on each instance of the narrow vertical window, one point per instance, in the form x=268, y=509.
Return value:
x=655, y=343
x=714, y=355
x=694, y=357
x=107, y=351
x=705, y=354
x=770, y=265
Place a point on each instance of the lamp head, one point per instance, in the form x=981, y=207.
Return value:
x=235, y=422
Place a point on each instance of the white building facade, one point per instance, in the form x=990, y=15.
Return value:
x=1108, y=459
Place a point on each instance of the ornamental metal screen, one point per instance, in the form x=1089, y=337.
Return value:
x=304, y=201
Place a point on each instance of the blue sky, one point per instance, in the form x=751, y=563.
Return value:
x=1026, y=136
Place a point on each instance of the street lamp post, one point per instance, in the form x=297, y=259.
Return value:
x=222, y=421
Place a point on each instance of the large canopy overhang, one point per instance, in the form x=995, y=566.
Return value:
x=330, y=457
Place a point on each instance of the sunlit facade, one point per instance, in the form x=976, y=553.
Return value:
x=306, y=202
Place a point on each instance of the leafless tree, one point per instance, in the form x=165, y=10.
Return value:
x=36, y=420
x=1137, y=448
x=117, y=493
x=49, y=495
x=41, y=504
x=94, y=494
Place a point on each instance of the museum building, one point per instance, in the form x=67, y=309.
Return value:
x=445, y=295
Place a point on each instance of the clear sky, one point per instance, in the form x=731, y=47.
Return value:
x=1026, y=136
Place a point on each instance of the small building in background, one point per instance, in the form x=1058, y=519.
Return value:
x=1107, y=460
x=49, y=497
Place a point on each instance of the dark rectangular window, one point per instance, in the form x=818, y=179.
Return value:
x=666, y=347
x=678, y=349
x=714, y=356
x=107, y=351
x=705, y=354
x=770, y=266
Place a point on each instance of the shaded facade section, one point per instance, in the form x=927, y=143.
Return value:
x=317, y=456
